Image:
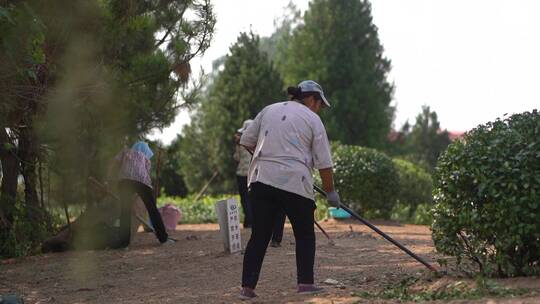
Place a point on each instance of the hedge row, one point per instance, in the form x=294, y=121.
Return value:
x=373, y=184
x=368, y=181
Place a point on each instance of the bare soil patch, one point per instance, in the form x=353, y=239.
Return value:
x=196, y=270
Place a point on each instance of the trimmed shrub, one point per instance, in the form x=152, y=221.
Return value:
x=415, y=185
x=366, y=180
x=487, y=195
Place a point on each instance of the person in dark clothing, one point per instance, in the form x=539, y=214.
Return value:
x=133, y=177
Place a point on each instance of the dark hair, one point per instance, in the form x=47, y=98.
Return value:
x=297, y=94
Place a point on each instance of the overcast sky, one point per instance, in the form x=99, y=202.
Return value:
x=470, y=61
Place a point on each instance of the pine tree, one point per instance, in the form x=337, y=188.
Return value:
x=247, y=83
x=338, y=46
x=78, y=79
x=427, y=141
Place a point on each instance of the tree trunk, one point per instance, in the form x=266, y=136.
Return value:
x=158, y=168
x=40, y=176
x=10, y=172
x=28, y=155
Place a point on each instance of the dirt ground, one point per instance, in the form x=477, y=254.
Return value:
x=196, y=270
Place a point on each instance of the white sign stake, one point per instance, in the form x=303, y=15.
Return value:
x=229, y=224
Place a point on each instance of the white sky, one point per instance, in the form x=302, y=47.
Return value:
x=470, y=60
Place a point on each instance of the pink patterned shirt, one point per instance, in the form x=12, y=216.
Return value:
x=134, y=166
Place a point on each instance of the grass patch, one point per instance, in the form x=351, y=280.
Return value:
x=202, y=211
x=460, y=290
x=420, y=216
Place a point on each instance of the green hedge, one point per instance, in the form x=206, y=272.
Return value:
x=197, y=212
x=203, y=210
x=420, y=216
x=366, y=180
x=487, y=195
x=415, y=188
x=415, y=184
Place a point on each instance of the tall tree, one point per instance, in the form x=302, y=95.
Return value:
x=396, y=144
x=426, y=140
x=79, y=77
x=195, y=159
x=284, y=25
x=247, y=83
x=171, y=178
x=24, y=77
x=338, y=46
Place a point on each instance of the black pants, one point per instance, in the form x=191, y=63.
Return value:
x=266, y=202
x=127, y=188
x=244, y=200
x=277, y=233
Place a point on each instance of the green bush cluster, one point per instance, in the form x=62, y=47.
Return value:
x=420, y=216
x=415, y=184
x=197, y=212
x=366, y=180
x=487, y=195
x=203, y=211
x=26, y=234
x=414, y=193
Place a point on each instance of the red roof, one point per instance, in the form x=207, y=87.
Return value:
x=455, y=135
x=394, y=135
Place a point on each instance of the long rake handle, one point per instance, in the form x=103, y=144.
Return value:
x=322, y=230
x=384, y=235
x=373, y=227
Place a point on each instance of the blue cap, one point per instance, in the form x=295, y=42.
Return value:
x=143, y=147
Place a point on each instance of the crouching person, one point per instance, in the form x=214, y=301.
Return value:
x=133, y=177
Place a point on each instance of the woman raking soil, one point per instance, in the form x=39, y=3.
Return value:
x=288, y=140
